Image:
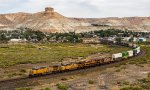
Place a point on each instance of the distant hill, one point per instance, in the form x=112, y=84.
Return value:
x=51, y=21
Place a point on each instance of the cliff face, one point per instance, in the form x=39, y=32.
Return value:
x=130, y=23
x=51, y=21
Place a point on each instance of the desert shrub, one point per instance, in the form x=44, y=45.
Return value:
x=29, y=46
x=47, y=89
x=146, y=86
x=23, y=89
x=118, y=70
x=131, y=88
x=145, y=80
x=64, y=79
x=145, y=83
x=23, y=70
x=117, y=65
x=91, y=82
x=62, y=87
x=4, y=46
x=149, y=75
x=13, y=74
x=126, y=83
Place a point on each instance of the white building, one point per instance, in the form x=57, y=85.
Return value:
x=126, y=38
x=141, y=39
x=135, y=39
x=17, y=40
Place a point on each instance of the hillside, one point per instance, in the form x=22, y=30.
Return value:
x=51, y=21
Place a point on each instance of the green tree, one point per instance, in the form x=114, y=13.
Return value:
x=3, y=38
x=131, y=39
x=119, y=40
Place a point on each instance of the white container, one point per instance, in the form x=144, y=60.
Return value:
x=138, y=50
x=130, y=53
x=117, y=55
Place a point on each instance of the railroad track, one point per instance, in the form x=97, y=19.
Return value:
x=22, y=82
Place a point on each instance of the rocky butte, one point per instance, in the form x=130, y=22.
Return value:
x=52, y=22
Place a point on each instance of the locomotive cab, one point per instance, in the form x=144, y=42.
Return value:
x=38, y=71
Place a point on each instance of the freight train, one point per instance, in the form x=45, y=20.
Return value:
x=68, y=66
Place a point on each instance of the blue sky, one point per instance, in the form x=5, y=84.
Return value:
x=80, y=8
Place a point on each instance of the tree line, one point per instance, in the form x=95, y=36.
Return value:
x=72, y=37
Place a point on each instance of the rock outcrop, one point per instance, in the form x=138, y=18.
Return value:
x=51, y=21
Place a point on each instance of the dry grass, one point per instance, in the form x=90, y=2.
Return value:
x=37, y=53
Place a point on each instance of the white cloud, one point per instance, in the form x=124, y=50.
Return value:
x=81, y=8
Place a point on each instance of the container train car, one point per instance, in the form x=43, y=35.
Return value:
x=126, y=54
x=67, y=66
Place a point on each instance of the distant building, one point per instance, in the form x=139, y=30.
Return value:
x=135, y=39
x=52, y=40
x=126, y=38
x=91, y=40
x=17, y=41
x=141, y=39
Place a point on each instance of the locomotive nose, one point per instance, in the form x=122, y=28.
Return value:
x=31, y=72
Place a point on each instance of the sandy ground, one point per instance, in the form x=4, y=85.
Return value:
x=109, y=79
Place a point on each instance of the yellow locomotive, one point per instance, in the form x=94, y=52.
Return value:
x=38, y=71
x=54, y=68
x=66, y=66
